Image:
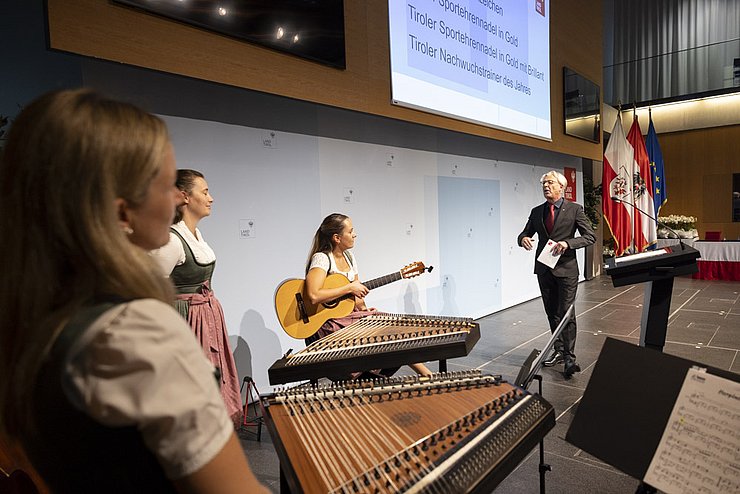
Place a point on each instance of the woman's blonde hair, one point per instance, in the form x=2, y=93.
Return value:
x=69, y=156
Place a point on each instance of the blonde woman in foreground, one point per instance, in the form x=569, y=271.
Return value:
x=105, y=386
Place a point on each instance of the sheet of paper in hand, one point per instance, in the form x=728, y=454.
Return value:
x=546, y=257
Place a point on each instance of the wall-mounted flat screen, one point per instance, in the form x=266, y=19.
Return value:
x=486, y=61
x=581, y=106
x=308, y=29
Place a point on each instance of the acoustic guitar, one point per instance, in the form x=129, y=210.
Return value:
x=300, y=318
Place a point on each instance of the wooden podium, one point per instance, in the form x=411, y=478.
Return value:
x=658, y=271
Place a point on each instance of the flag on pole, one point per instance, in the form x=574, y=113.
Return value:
x=644, y=215
x=657, y=168
x=617, y=182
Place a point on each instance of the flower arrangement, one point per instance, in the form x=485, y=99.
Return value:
x=679, y=221
x=684, y=226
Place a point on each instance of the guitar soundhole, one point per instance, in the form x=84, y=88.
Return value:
x=331, y=305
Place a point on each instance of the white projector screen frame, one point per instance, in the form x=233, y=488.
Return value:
x=482, y=61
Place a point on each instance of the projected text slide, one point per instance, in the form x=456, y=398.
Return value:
x=485, y=61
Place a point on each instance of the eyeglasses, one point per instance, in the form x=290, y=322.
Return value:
x=548, y=182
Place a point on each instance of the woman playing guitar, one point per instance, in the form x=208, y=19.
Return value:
x=330, y=253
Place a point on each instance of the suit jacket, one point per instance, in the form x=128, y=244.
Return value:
x=570, y=219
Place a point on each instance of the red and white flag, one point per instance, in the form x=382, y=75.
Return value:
x=642, y=191
x=617, y=182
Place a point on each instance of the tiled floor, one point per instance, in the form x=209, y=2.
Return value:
x=704, y=325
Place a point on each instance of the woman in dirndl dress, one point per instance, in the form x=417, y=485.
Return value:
x=189, y=261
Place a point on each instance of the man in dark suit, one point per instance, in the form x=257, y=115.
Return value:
x=558, y=219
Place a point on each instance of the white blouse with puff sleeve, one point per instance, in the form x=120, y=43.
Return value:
x=139, y=365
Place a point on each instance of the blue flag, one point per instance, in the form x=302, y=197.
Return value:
x=657, y=169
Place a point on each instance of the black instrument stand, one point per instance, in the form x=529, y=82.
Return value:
x=258, y=419
x=529, y=372
x=544, y=467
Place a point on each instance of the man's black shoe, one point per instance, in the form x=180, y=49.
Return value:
x=571, y=368
x=555, y=359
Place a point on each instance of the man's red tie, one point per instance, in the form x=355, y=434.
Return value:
x=550, y=219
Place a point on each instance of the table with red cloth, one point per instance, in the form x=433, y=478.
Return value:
x=718, y=261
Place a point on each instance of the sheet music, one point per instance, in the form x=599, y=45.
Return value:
x=700, y=448
x=546, y=257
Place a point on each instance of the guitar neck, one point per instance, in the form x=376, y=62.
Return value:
x=383, y=280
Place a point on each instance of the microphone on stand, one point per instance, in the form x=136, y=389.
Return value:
x=680, y=242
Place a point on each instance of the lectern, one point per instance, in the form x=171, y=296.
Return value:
x=657, y=269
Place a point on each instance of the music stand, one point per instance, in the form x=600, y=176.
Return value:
x=529, y=371
x=534, y=361
x=628, y=403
